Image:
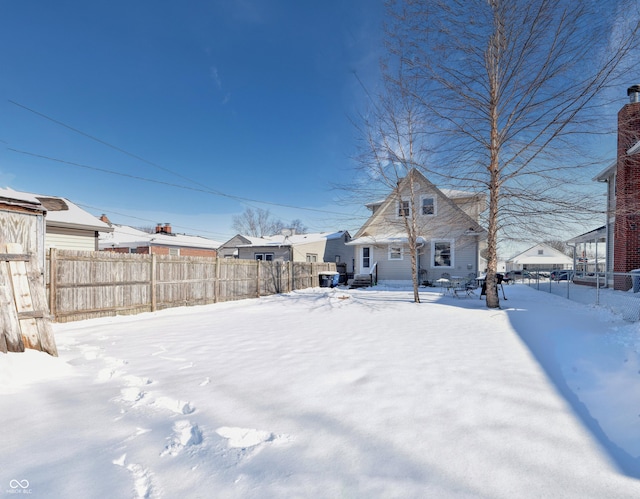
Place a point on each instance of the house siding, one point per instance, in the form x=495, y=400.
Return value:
x=71, y=239
x=449, y=222
x=317, y=248
x=336, y=247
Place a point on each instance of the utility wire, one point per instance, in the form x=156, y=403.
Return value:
x=170, y=184
x=107, y=144
x=203, y=188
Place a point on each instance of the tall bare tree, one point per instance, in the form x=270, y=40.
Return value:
x=391, y=131
x=515, y=92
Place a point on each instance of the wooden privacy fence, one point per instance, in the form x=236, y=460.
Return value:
x=87, y=284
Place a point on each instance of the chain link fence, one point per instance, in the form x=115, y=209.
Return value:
x=596, y=289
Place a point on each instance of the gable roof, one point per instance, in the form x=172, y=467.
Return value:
x=124, y=236
x=416, y=176
x=550, y=256
x=60, y=212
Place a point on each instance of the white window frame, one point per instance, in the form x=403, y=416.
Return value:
x=435, y=208
x=451, y=254
x=362, y=257
x=400, y=205
x=174, y=251
x=396, y=255
x=312, y=257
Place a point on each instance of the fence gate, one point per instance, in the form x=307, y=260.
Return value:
x=24, y=318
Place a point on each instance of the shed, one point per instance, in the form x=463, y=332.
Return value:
x=24, y=316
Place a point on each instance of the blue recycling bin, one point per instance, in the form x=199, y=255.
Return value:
x=328, y=279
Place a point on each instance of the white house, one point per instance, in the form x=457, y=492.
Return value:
x=449, y=236
x=539, y=257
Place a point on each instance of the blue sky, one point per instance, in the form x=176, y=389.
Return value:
x=247, y=98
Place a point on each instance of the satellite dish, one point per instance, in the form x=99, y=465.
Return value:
x=286, y=232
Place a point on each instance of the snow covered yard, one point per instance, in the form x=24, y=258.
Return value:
x=330, y=393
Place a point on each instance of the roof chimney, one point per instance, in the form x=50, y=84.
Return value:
x=167, y=228
x=159, y=228
x=634, y=94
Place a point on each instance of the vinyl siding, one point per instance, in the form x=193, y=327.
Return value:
x=72, y=239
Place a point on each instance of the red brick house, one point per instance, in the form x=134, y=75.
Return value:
x=623, y=195
x=125, y=239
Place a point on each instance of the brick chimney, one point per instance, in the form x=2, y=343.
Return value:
x=167, y=228
x=105, y=219
x=627, y=225
x=159, y=229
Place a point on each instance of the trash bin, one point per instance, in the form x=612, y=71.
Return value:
x=328, y=279
x=635, y=277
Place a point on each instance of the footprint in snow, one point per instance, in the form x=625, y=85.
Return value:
x=177, y=406
x=243, y=438
x=185, y=434
x=141, y=476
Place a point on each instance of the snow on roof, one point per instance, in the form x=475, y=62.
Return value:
x=281, y=240
x=384, y=239
x=129, y=237
x=10, y=194
x=59, y=211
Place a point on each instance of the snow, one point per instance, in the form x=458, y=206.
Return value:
x=330, y=393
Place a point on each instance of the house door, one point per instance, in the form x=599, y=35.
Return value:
x=365, y=259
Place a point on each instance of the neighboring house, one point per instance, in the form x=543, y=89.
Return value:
x=316, y=247
x=163, y=241
x=67, y=226
x=622, y=229
x=450, y=238
x=230, y=248
x=590, y=253
x=540, y=257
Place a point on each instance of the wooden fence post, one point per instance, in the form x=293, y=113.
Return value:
x=53, y=275
x=216, y=283
x=291, y=279
x=258, y=277
x=154, y=297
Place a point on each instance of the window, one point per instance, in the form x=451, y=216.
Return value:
x=428, y=206
x=395, y=252
x=312, y=257
x=540, y=252
x=337, y=258
x=403, y=209
x=267, y=257
x=442, y=252
x=174, y=251
x=366, y=258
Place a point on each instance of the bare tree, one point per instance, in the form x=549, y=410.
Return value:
x=255, y=223
x=260, y=223
x=512, y=88
x=391, y=132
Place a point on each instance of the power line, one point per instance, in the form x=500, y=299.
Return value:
x=170, y=184
x=103, y=142
x=104, y=210
x=203, y=188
